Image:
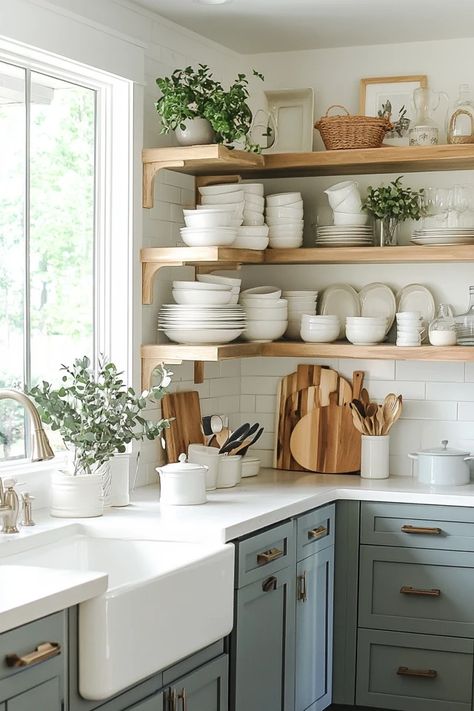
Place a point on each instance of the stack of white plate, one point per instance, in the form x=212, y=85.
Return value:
x=195, y=293
x=228, y=281
x=195, y=325
x=266, y=312
x=252, y=237
x=442, y=236
x=320, y=329
x=285, y=219
x=299, y=303
x=247, y=196
x=344, y=236
x=365, y=330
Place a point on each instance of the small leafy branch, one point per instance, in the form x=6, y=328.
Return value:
x=96, y=413
x=194, y=93
x=394, y=200
x=401, y=125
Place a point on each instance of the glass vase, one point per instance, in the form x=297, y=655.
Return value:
x=386, y=232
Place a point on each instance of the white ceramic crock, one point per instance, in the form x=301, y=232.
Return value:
x=374, y=457
x=78, y=496
x=182, y=483
x=443, y=466
x=210, y=457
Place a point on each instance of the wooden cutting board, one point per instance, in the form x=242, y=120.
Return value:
x=326, y=441
x=297, y=405
x=186, y=427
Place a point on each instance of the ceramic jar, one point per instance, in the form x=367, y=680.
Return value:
x=443, y=466
x=182, y=483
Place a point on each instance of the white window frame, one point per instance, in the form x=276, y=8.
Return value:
x=114, y=188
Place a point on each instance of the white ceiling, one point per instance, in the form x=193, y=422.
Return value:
x=253, y=26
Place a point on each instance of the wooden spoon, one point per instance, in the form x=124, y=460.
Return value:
x=364, y=397
x=397, y=411
x=357, y=419
x=389, y=406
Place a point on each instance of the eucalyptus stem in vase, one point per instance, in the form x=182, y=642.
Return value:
x=391, y=204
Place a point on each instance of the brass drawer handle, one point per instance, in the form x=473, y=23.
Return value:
x=270, y=584
x=407, y=528
x=184, y=701
x=408, y=590
x=171, y=700
x=302, y=594
x=318, y=532
x=40, y=654
x=420, y=673
x=269, y=556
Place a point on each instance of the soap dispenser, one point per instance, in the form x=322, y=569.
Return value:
x=11, y=500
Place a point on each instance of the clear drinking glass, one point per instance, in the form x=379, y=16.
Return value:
x=465, y=323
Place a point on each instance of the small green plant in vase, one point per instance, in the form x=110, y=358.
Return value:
x=198, y=108
x=97, y=416
x=391, y=204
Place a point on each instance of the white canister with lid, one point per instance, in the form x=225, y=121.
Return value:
x=443, y=466
x=182, y=483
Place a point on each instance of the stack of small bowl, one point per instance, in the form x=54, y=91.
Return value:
x=210, y=227
x=252, y=237
x=196, y=293
x=285, y=219
x=319, y=329
x=299, y=303
x=366, y=330
x=231, y=282
x=409, y=328
x=247, y=196
x=266, y=313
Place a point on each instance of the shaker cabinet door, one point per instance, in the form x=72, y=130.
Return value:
x=314, y=623
x=46, y=697
x=263, y=645
x=153, y=703
x=205, y=689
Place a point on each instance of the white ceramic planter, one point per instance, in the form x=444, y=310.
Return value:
x=76, y=496
x=197, y=132
x=374, y=457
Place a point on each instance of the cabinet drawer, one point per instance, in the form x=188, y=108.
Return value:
x=408, y=525
x=417, y=590
x=266, y=552
x=22, y=642
x=413, y=672
x=315, y=531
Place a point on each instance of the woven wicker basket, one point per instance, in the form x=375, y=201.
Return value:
x=346, y=131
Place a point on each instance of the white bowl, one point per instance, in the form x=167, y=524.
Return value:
x=208, y=218
x=349, y=218
x=293, y=330
x=262, y=292
x=286, y=242
x=341, y=192
x=237, y=208
x=253, y=231
x=326, y=335
x=244, y=242
x=284, y=222
x=366, y=320
x=223, y=198
x=277, y=213
x=213, y=237
x=252, y=188
x=364, y=339
x=264, y=331
x=298, y=293
x=352, y=203
x=254, y=202
x=322, y=318
x=263, y=303
x=191, y=296
x=216, y=279
x=285, y=230
x=220, y=189
x=204, y=335
x=251, y=217
x=250, y=466
x=200, y=287
x=280, y=199
x=254, y=313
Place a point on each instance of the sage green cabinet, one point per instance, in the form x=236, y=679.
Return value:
x=153, y=703
x=45, y=696
x=205, y=689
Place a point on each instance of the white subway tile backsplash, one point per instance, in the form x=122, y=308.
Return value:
x=229, y=404
x=229, y=368
x=259, y=386
x=265, y=403
x=266, y=420
x=265, y=456
x=461, y=392
x=466, y=411
x=375, y=369
x=247, y=403
x=400, y=465
x=281, y=366
x=224, y=386
x=430, y=371
x=429, y=410
x=405, y=436
x=458, y=434
x=469, y=372
x=410, y=390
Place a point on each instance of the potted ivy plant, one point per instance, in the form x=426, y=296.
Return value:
x=97, y=416
x=391, y=204
x=200, y=110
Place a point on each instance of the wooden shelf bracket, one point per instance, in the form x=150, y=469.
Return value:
x=150, y=171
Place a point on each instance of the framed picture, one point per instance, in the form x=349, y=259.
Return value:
x=392, y=93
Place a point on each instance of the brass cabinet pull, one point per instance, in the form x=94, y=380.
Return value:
x=40, y=654
x=318, y=532
x=268, y=556
x=302, y=594
x=420, y=673
x=408, y=590
x=407, y=528
x=270, y=584
x=184, y=701
x=171, y=699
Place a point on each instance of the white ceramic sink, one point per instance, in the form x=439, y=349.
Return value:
x=164, y=601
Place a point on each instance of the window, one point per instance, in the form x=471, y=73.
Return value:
x=65, y=189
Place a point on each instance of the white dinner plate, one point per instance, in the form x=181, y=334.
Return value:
x=378, y=300
x=416, y=297
x=340, y=300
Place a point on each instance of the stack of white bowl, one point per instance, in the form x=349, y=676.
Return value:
x=299, y=303
x=266, y=313
x=252, y=237
x=409, y=328
x=195, y=293
x=285, y=219
x=345, y=201
x=201, y=324
x=210, y=227
x=247, y=196
x=231, y=282
x=366, y=330
x=319, y=329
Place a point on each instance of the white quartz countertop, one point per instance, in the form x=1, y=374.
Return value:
x=27, y=593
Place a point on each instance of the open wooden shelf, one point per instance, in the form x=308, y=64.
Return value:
x=153, y=355
x=216, y=160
